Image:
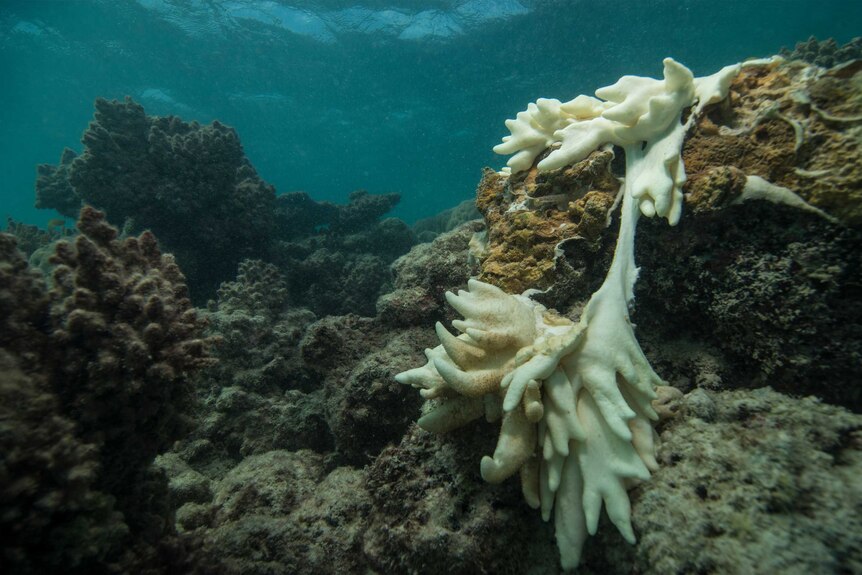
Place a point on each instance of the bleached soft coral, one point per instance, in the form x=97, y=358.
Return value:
x=574, y=399
x=631, y=111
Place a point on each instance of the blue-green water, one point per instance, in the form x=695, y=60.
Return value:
x=330, y=96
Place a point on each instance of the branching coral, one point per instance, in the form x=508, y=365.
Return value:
x=95, y=384
x=125, y=336
x=574, y=398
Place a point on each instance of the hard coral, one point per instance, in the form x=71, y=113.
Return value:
x=95, y=384
x=125, y=337
x=425, y=273
x=339, y=263
x=52, y=517
x=190, y=184
x=259, y=288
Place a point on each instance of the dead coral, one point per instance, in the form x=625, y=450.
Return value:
x=780, y=124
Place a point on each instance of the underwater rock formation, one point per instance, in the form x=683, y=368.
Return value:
x=189, y=184
x=753, y=482
x=423, y=275
x=100, y=364
x=234, y=481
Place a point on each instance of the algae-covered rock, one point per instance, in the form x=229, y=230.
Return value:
x=772, y=485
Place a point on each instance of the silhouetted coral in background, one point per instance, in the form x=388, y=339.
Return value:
x=53, y=189
x=194, y=188
x=825, y=53
x=340, y=264
x=190, y=184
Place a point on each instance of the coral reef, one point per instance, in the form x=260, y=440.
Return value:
x=565, y=207
x=428, y=511
x=190, y=184
x=757, y=285
x=234, y=484
x=194, y=188
x=336, y=257
x=97, y=368
x=124, y=337
x=356, y=360
x=826, y=53
x=791, y=124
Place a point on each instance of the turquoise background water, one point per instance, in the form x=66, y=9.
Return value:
x=330, y=96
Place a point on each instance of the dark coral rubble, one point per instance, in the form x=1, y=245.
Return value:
x=95, y=382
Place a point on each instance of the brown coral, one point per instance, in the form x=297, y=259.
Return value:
x=94, y=385
x=125, y=335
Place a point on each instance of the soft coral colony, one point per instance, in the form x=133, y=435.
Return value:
x=574, y=397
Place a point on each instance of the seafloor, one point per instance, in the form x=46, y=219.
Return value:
x=264, y=432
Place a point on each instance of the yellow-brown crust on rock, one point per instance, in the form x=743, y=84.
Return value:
x=793, y=124
x=530, y=212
